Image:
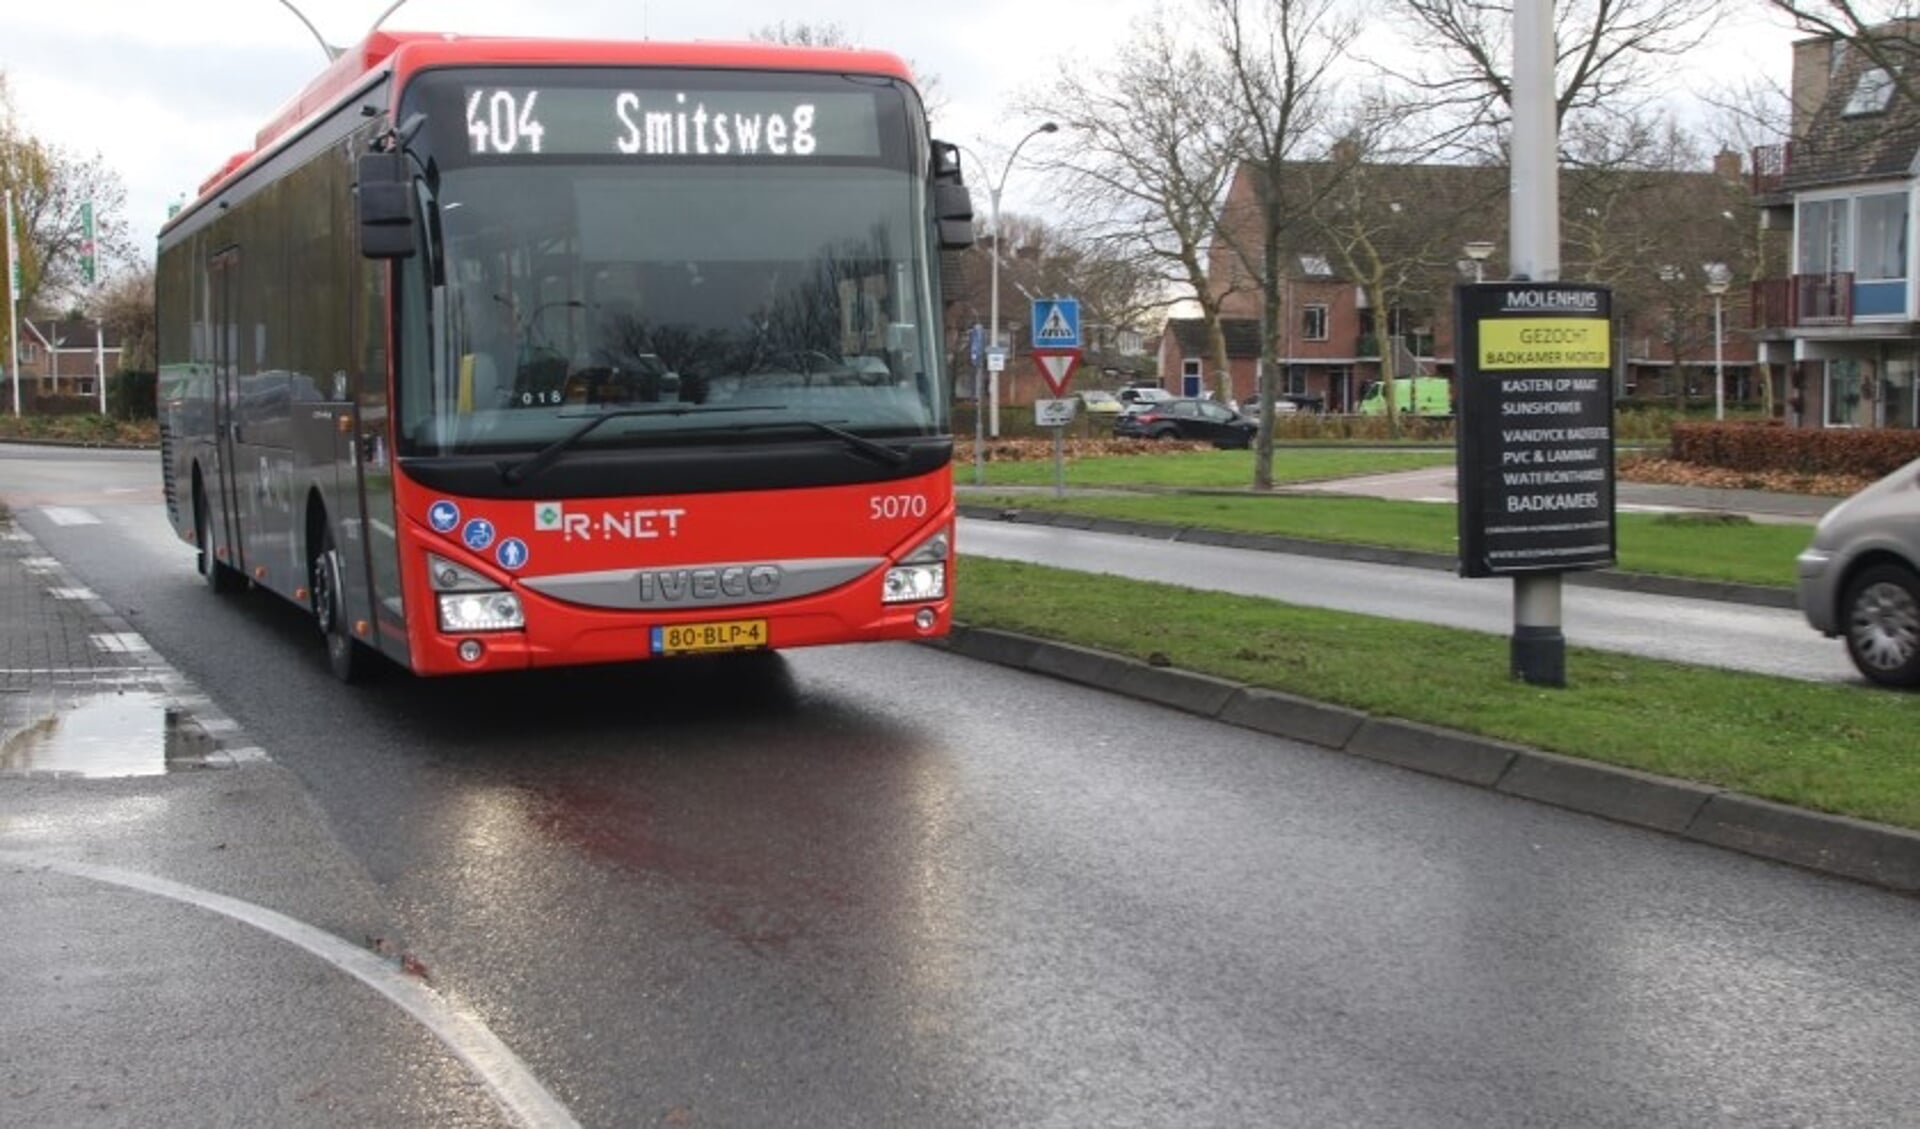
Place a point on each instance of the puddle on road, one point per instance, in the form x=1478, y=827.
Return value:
x=109, y=735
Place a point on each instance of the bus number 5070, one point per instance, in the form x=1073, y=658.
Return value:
x=887, y=507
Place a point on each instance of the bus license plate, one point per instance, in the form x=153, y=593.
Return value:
x=725, y=635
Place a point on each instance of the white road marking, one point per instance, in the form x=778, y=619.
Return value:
x=120, y=642
x=69, y=515
x=513, y=1086
x=71, y=593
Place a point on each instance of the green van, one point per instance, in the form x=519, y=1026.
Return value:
x=1420, y=395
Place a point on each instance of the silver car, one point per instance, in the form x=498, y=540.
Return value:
x=1860, y=579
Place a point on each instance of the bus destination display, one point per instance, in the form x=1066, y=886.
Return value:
x=524, y=121
x=1536, y=471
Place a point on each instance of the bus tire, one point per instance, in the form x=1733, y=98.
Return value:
x=220, y=579
x=349, y=660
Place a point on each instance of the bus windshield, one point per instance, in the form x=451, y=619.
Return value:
x=582, y=279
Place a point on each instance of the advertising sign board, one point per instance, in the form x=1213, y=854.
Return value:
x=1535, y=449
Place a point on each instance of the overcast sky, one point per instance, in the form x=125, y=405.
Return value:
x=165, y=90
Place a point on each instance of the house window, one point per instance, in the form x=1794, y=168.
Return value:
x=1881, y=246
x=1870, y=94
x=1313, y=325
x=29, y=352
x=1897, y=389
x=1845, y=404
x=1822, y=245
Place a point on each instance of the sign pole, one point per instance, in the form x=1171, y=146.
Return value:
x=1056, y=349
x=13, y=299
x=1539, y=647
x=1060, y=462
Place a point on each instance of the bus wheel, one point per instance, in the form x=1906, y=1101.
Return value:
x=220, y=579
x=349, y=661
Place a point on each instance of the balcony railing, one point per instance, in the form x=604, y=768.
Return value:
x=1771, y=164
x=1823, y=299
x=1804, y=299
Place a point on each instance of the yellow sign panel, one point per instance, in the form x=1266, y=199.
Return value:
x=1536, y=343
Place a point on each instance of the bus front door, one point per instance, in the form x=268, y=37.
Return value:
x=223, y=524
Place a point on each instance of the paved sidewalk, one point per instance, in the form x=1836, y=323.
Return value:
x=184, y=942
x=64, y=652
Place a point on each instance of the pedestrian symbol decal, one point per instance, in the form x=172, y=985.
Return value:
x=1056, y=323
x=478, y=534
x=443, y=516
x=512, y=554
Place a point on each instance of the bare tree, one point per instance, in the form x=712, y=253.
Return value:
x=124, y=308
x=1156, y=138
x=49, y=187
x=1040, y=260
x=1612, y=57
x=1754, y=117
x=830, y=33
x=1885, y=32
x=1278, y=57
x=1395, y=229
x=804, y=34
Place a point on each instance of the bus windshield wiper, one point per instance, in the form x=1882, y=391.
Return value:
x=543, y=458
x=891, y=456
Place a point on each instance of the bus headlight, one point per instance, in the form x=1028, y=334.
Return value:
x=462, y=612
x=471, y=602
x=921, y=574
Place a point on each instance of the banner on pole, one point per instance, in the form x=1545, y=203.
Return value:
x=14, y=281
x=88, y=260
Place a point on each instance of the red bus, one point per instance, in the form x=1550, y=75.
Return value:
x=510, y=353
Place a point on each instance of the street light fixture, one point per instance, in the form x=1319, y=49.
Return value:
x=1718, y=277
x=993, y=292
x=1478, y=250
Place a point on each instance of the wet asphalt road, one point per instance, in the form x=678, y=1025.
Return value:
x=886, y=886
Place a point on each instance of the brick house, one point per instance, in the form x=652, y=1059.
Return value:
x=65, y=357
x=1844, y=318
x=1418, y=220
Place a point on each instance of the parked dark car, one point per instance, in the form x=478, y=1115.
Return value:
x=1136, y=396
x=1205, y=420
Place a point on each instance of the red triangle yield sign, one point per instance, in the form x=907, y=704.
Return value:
x=1056, y=367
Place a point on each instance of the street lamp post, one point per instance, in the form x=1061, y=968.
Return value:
x=1478, y=250
x=993, y=290
x=1718, y=276
x=332, y=51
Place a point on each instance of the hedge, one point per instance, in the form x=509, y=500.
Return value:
x=1758, y=447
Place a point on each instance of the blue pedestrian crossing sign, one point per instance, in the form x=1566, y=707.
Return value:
x=1056, y=323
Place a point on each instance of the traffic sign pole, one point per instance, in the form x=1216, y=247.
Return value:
x=1056, y=368
x=1056, y=349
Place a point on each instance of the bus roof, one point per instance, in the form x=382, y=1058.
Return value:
x=406, y=52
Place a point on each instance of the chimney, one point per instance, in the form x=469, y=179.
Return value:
x=1814, y=62
x=1726, y=165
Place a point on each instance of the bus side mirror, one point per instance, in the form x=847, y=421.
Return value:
x=386, y=207
x=952, y=203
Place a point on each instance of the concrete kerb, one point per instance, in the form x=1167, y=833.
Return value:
x=1722, y=591
x=1848, y=848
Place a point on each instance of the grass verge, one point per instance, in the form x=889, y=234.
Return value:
x=1842, y=749
x=1198, y=470
x=90, y=430
x=1709, y=547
